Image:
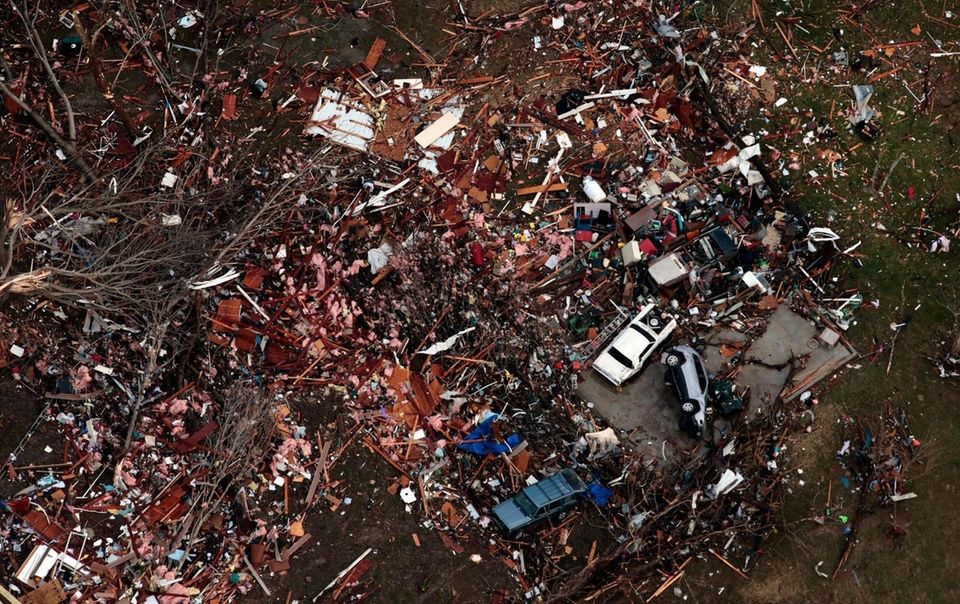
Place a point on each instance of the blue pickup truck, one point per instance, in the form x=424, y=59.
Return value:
x=548, y=498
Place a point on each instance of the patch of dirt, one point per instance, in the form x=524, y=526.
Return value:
x=401, y=571
x=19, y=409
x=945, y=82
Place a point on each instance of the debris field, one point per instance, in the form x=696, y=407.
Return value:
x=242, y=270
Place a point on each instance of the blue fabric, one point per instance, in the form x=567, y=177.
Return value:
x=599, y=494
x=486, y=445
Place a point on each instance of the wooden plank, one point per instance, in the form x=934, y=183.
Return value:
x=880, y=76
x=742, y=574
x=434, y=131
x=476, y=80
x=557, y=186
x=423, y=400
x=317, y=473
x=229, y=111
x=373, y=55
x=256, y=576
x=7, y=596
x=290, y=551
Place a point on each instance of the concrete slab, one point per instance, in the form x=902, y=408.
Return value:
x=644, y=409
x=728, y=336
x=646, y=412
x=765, y=384
x=788, y=336
x=637, y=404
x=713, y=360
x=792, y=339
x=820, y=365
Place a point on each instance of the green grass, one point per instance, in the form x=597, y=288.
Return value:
x=905, y=280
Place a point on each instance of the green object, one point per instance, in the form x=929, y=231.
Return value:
x=722, y=396
x=234, y=578
x=71, y=46
x=582, y=322
x=843, y=518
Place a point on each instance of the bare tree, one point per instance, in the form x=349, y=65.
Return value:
x=121, y=243
x=69, y=143
x=90, y=41
x=29, y=19
x=240, y=443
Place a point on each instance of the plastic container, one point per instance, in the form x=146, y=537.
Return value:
x=593, y=190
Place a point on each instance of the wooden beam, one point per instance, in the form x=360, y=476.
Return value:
x=557, y=186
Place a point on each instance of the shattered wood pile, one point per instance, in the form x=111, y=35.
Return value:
x=436, y=267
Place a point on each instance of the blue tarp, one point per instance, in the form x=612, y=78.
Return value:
x=599, y=494
x=485, y=444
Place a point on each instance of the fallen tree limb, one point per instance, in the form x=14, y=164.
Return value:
x=68, y=147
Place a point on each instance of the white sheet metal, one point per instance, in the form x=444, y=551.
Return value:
x=343, y=120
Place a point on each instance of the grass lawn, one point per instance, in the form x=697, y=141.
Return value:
x=895, y=268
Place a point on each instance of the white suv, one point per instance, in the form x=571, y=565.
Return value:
x=688, y=377
x=625, y=356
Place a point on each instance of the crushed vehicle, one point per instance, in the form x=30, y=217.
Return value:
x=548, y=498
x=686, y=375
x=625, y=356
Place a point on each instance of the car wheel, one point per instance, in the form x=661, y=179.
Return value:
x=654, y=322
x=688, y=408
x=673, y=360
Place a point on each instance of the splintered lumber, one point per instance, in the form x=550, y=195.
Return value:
x=317, y=473
x=256, y=576
x=729, y=564
x=557, y=186
x=343, y=573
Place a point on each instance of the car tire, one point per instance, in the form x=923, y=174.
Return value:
x=654, y=322
x=688, y=407
x=673, y=360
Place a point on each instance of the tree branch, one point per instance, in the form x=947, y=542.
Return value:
x=69, y=148
x=105, y=89
x=37, y=43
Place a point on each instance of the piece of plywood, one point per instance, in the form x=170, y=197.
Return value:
x=48, y=593
x=434, y=131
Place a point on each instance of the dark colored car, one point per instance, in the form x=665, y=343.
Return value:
x=548, y=498
x=687, y=376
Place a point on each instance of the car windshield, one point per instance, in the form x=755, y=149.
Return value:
x=640, y=330
x=619, y=356
x=526, y=506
